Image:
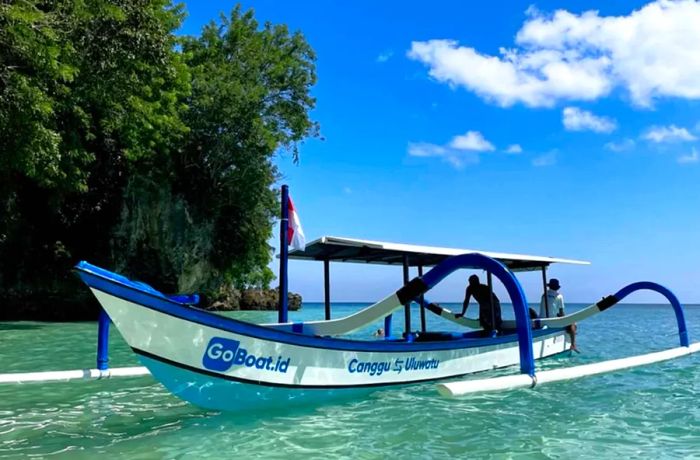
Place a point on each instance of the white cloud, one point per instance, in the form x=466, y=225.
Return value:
x=460, y=161
x=650, y=53
x=547, y=159
x=575, y=119
x=472, y=140
x=672, y=133
x=620, y=146
x=692, y=157
x=385, y=56
x=511, y=78
x=455, y=157
x=514, y=148
x=424, y=149
x=462, y=150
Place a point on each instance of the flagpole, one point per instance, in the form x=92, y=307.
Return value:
x=284, y=255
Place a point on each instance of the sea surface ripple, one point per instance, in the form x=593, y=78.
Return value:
x=647, y=412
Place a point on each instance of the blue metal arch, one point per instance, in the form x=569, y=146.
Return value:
x=515, y=291
x=680, y=316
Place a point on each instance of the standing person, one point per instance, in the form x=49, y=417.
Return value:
x=489, y=320
x=554, y=301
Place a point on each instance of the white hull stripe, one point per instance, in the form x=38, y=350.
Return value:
x=204, y=318
x=227, y=355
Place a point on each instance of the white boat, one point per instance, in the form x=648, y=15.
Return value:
x=226, y=364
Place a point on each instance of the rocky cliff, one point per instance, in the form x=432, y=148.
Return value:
x=252, y=299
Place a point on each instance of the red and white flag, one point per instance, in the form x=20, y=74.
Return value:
x=295, y=235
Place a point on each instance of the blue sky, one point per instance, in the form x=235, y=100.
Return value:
x=544, y=128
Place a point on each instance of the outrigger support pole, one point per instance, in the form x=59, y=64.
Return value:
x=284, y=255
x=515, y=292
x=103, y=340
x=664, y=291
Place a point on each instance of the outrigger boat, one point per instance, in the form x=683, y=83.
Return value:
x=222, y=363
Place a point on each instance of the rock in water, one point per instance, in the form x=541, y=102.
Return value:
x=253, y=299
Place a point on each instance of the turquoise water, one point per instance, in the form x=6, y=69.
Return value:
x=648, y=412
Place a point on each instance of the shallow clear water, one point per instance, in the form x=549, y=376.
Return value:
x=648, y=412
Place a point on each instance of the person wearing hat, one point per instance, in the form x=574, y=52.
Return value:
x=553, y=304
x=489, y=319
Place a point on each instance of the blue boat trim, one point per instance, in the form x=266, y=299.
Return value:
x=150, y=298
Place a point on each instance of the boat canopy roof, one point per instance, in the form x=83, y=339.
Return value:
x=338, y=249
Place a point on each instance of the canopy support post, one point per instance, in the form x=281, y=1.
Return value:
x=421, y=300
x=544, y=284
x=407, y=306
x=327, y=287
x=387, y=326
x=489, y=280
x=284, y=255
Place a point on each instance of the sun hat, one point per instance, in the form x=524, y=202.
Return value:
x=554, y=284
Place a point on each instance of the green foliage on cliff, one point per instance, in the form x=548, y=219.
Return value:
x=125, y=145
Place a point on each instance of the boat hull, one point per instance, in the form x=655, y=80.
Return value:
x=219, y=394
x=224, y=364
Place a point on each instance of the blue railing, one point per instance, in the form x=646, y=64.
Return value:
x=673, y=300
x=515, y=291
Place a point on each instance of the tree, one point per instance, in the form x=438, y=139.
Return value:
x=87, y=91
x=126, y=146
x=250, y=97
